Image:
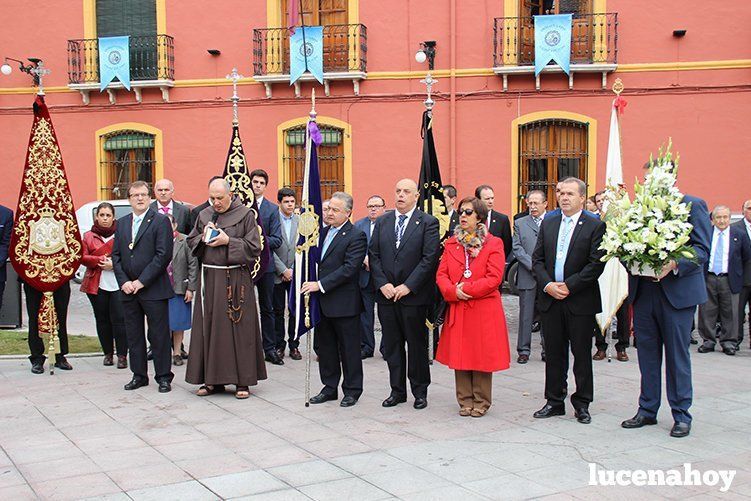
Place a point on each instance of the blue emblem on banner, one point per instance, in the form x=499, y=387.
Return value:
x=306, y=53
x=553, y=41
x=114, y=61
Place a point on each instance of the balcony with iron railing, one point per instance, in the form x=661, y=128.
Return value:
x=594, y=46
x=152, y=64
x=345, y=50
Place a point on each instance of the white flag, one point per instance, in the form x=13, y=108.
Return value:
x=614, y=166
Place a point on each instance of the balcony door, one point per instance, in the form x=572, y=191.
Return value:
x=550, y=150
x=333, y=15
x=136, y=18
x=581, y=29
x=330, y=159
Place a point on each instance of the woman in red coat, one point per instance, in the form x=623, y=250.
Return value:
x=474, y=340
x=100, y=285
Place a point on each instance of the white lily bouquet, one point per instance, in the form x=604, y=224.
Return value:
x=653, y=229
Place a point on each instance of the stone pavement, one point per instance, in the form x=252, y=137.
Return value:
x=79, y=435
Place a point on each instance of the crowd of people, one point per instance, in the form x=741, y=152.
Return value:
x=176, y=269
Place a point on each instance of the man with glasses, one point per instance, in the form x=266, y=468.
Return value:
x=376, y=207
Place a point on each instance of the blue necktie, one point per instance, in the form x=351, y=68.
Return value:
x=719, y=251
x=136, y=225
x=400, y=228
x=562, y=249
x=329, y=238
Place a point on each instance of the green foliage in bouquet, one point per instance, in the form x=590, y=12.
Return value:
x=651, y=230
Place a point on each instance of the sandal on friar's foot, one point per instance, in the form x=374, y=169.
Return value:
x=242, y=392
x=465, y=411
x=478, y=412
x=209, y=389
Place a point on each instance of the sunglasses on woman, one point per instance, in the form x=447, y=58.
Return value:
x=467, y=212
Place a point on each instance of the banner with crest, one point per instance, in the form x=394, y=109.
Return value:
x=45, y=246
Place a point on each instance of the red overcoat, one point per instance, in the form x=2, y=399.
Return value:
x=474, y=335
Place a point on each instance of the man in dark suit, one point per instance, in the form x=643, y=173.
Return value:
x=497, y=223
x=449, y=195
x=141, y=254
x=197, y=209
x=663, y=313
x=6, y=225
x=744, y=297
x=272, y=233
x=730, y=251
x=164, y=204
x=525, y=238
x=567, y=263
x=376, y=207
x=337, y=334
x=403, y=257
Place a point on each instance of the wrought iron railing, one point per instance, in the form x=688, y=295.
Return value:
x=594, y=40
x=152, y=57
x=345, y=48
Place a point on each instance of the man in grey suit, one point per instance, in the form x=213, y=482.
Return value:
x=376, y=207
x=523, y=244
x=164, y=204
x=284, y=262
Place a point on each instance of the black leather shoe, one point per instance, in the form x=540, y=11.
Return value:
x=280, y=352
x=705, y=349
x=348, y=401
x=62, y=364
x=583, y=416
x=727, y=350
x=550, y=411
x=183, y=354
x=274, y=358
x=323, y=397
x=680, y=430
x=392, y=401
x=165, y=387
x=37, y=368
x=295, y=354
x=366, y=354
x=136, y=383
x=420, y=403
x=522, y=359
x=638, y=421
x=694, y=341
x=149, y=354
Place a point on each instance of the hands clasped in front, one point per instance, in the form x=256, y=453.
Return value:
x=394, y=293
x=559, y=290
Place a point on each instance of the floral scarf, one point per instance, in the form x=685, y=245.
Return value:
x=471, y=241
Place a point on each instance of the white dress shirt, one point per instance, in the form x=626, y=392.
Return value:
x=406, y=221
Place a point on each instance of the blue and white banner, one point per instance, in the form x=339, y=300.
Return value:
x=553, y=41
x=306, y=53
x=114, y=61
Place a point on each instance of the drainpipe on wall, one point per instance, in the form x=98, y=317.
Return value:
x=452, y=105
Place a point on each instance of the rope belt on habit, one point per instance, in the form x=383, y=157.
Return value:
x=234, y=313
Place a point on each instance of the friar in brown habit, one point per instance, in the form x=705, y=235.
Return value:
x=225, y=342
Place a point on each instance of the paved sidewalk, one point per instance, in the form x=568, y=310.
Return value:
x=79, y=435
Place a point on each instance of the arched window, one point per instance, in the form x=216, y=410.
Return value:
x=550, y=150
x=126, y=156
x=331, y=159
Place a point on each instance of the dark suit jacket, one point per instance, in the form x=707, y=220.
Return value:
x=582, y=268
x=148, y=259
x=501, y=228
x=364, y=226
x=272, y=229
x=339, y=270
x=687, y=288
x=739, y=255
x=181, y=214
x=453, y=222
x=741, y=225
x=414, y=263
x=6, y=226
x=194, y=214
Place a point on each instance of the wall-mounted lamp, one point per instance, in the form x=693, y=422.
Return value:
x=426, y=53
x=214, y=52
x=7, y=69
x=679, y=33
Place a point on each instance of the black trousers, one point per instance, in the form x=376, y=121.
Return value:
x=563, y=328
x=33, y=301
x=110, y=321
x=156, y=313
x=744, y=298
x=2, y=291
x=367, y=320
x=266, y=304
x=405, y=324
x=338, y=348
x=281, y=291
x=622, y=330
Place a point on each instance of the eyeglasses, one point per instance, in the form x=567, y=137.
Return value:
x=467, y=212
x=374, y=206
x=139, y=195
